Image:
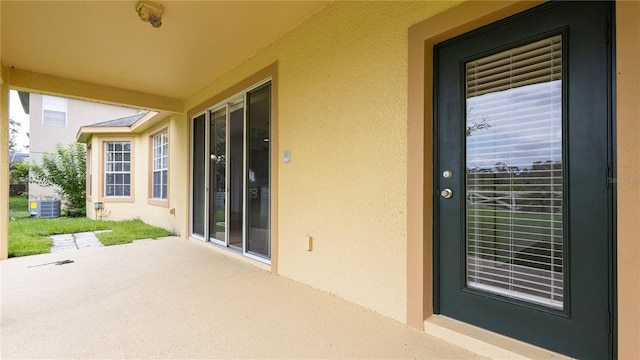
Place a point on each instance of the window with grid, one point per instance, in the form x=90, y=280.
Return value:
x=117, y=169
x=54, y=111
x=160, y=147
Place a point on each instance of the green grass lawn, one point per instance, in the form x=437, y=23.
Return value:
x=536, y=237
x=30, y=236
x=18, y=207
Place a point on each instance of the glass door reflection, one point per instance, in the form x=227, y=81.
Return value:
x=259, y=172
x=231, y=174
x=236, y=169
x=218, y=176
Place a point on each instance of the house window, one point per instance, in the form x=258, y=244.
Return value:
x=117, y=169
x=54, y=111
x=89, y=172
x=160, y=156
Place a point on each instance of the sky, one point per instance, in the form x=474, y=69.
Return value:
x=17, y=113
x=524, y=126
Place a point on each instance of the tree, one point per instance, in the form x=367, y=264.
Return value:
x=66, y=170
x=13, y=132
x=20, y=172
x=476, y=122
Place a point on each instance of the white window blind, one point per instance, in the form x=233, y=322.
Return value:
x=54, y=111
x=514, y=173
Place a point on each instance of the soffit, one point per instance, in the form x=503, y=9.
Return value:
x=105, y=43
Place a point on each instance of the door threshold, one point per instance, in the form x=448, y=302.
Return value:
x=231, y=252
x=484, y=342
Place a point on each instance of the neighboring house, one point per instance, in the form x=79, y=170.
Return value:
x=17, y=158
x=54, y=120
x=425, y=160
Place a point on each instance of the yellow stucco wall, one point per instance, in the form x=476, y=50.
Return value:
x=178, y=167
x=342, y=113
x=4, y=170
x=342, y=83
x=170, y=215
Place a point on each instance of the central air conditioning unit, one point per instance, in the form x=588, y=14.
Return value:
x=44, y=208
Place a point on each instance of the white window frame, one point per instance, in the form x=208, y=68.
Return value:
x=160, y=164
x=89, y=180
x=54, y=104
x=115, y=162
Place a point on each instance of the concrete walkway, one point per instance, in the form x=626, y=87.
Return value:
x=179, y=299
x=70, y=242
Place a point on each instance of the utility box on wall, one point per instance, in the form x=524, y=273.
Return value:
x=44, y=208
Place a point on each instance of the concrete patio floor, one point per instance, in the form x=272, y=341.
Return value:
x=174, y=298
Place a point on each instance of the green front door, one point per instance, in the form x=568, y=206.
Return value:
x=523, y=126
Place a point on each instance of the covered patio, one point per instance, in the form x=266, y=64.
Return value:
x=172, y=298
x=352, y=196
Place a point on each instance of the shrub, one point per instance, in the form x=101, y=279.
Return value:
x=19, y=173
x=66, y=170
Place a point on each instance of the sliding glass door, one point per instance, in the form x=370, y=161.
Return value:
x=259, y=184
x=218, y=175
x=236, y=172
x=198, y=185
x=231, y=173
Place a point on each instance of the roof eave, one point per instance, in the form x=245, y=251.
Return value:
x=85, y=133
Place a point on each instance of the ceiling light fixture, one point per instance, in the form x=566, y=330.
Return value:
x=150, y=12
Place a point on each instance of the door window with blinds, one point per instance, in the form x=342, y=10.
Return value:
x=514, y=173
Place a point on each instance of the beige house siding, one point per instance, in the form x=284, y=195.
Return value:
x=43, y=138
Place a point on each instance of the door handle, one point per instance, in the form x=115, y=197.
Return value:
x=446, y=193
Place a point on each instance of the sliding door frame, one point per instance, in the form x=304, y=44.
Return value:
x=244, y=186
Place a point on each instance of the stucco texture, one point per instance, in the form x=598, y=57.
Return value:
x=342, y=104
x=170, y=214
x=4, y=169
